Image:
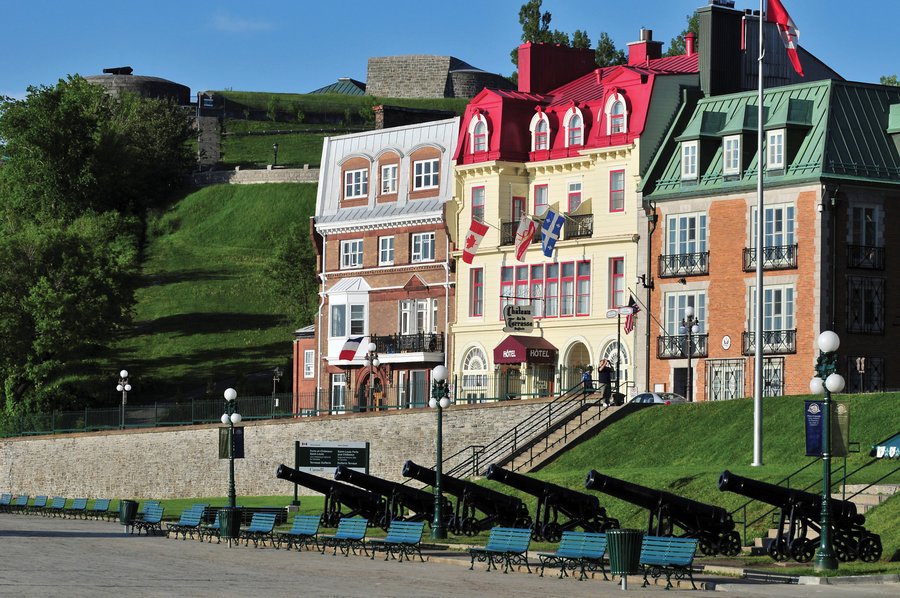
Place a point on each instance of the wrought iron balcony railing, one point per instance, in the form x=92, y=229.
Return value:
x=865, y=256
x=409, y=343
x=577, y=227
x=777, y=257
x=683, y=264
x=508, y=233
x=676, y=345
x=775, y=342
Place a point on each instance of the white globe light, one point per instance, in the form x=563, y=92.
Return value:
x=445, y=402
x=439, y=373
x=128, y=388
x=225, y=419
x=235, y=418
x=695, y=329
x=817, y=386
x=375, y=362
x=834, y=383
x=230, y=394
x=372, y=347
x=688, y=312
x=119, y=387
x=123, y=374
x=682, y=330
x=829, y=341
x=432, y=403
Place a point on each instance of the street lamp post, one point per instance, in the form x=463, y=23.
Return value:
x=123, y=387
x=230, y=418
x=439, y=401
x=690, y=325
x=373, y=362
x=826, y=381
x=276, y=378
x=275, y=158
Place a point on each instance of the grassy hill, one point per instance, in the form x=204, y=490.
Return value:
x=204, y=312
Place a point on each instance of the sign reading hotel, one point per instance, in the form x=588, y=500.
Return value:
x=518, y=318
x=323, y=458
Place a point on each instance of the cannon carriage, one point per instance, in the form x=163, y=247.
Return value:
x=338, y=496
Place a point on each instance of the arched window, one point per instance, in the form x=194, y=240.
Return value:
x=617, y=354
x=475, y=376
x=574, y=127
x=478, y=134
x=540, y=132
x=616, y=114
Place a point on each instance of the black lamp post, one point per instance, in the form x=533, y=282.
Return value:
x=439, y=401
x=230, y=418
x=826, y=381
x=690, y=325
x=275, y=151
x=123, y=387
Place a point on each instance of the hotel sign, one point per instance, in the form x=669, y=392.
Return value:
x=518, y=318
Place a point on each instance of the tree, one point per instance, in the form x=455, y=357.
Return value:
x=890, y=80
x=581, y=40
x=606, y=53
x=677, y=45
x=536, y=29
x=292, y=274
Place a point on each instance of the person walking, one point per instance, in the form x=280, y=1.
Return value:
x=587, y=381
x=604, y=381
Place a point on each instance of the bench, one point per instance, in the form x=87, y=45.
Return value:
x=508, y=545
x=100, y=509
x=404, y=538
x=350, y=533
x=247, y=513
x=260, y=529
x=5, y=501
x=19, y=505
x=56, y=507
x=303, y=532
x=188, y=523
x=150, y=522
x=669, y=556
x=77, y=508
x=38, y=505
x=582, y=551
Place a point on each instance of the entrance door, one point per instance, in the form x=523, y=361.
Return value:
x=680, y=381
x=418, y=388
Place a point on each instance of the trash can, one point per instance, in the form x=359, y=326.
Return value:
x=624, y=546
x=230, y=523
x=127, y=511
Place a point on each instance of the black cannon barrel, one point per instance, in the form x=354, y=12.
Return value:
x=809, y=504
x=569, y=501
x=413, y=498
x=484, y=499
x=649, y=498
x=349, y=495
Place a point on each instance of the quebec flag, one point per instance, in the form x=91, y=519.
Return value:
x=550, y=230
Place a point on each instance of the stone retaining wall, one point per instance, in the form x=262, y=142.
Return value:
x=183, y=461
x=250, y=177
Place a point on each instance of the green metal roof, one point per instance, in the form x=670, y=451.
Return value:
x=345, y=86
x=834, y=129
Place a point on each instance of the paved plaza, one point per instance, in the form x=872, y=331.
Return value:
x=75, y=558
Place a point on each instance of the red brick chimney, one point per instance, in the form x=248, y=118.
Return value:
x=690, y=41
x=543, y=67
x=640, y=52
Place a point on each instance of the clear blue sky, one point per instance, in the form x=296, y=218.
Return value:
x=300, y=45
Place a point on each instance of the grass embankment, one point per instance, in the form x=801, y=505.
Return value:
x=684, y=449
x=205, y=311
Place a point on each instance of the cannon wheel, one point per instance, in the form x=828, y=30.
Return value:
x=778, y=550
x=552, y=532
x=730, y=544
x=706, y=546
x=470, y=526
x=523, y=522
x=842, y=550
x=802, y=550
x=869, y=548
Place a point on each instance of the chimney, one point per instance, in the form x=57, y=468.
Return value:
x=640, y=52
x=544, y=67
x=721, y=59
x=689, y=43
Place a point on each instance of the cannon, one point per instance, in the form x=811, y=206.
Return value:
x=582, y=510
x=800, y=512
x=711, y=525
x=498, y=508
x=399, y=498
x=337, y=496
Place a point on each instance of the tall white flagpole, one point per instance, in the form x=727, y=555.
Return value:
x=760, y=255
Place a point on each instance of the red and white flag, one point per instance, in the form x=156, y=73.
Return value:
x=790, y=35
x=629, y=319
x=524, y=236
x=473, y=240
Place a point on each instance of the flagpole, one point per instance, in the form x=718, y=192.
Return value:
x=760, y=247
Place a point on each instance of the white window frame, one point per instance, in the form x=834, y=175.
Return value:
x=862, y=233
x=775, y=149
x=356, y=183
x=779, y=309
x=571, y=113
x=614, y=100
x=689, y=151
x=686, y=233
x=478, y=207
x=309, y=363
x=351, y=254
x=338, y=392
x=417, y=316
x=357, y=320
x=386, y=251
x=338, y=315
x=422, y=247
x=477, y=136
x=731, y=155
x=779, y=227
x=676, y=302
x=426, y=174
x=389, y=179
x=537, y=120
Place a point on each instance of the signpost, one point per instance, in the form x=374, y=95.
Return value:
x=323, y=458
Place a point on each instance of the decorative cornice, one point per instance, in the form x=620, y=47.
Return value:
x=395, y=222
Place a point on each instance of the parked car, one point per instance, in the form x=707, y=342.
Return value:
x=658, y=398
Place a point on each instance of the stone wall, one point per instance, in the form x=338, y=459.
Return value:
x=183, y=461
x=467, y=84
x=250, y=177
x=416, y=76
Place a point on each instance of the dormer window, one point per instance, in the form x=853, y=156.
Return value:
x=478, y=132
x=688, y=160
x=731, y=151
x=574, y=127
x=540, y=132
x=775, y=150
x=616, y=115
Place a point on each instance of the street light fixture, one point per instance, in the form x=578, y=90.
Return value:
x=439, y=401
x=826, y=381
x=230, y=518
x=275, y=151
x=373, y=362
x=690, y=325
x=123, y=387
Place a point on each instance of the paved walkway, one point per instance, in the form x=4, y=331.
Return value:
x=74, y=558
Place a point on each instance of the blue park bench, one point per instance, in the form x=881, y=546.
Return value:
x=100, y=509
x=188, y=523
x=404, y=538
x=151, y=520
x=56, y=507
x=582, y=551
x=668, y=556
x=260, y=529
x=304, y=531
x=77, y=509
x=508, y=545
x=350, y=534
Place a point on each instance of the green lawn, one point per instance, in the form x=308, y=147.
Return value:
x=255, y=151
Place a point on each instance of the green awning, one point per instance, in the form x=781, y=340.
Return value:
x=887, y=449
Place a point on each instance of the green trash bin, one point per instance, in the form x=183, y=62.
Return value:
x=127, y=511
x=624, y=547
x=229, y=523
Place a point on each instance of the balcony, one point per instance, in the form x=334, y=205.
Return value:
x=508, y=233
x=409, y=343
x=683, y=264
x=775, y=342
x=777, y=257
x=676, y=345
x=865, y=257
x=577, y=227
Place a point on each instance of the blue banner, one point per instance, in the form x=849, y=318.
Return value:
x=814, y=422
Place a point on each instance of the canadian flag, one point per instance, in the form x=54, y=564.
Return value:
x=790, y=35
x=473, y=240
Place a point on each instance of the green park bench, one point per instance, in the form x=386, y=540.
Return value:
x=669, y=556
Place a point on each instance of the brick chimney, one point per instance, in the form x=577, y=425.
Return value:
x=690, y=43
x=640, y=52
x=544, y=67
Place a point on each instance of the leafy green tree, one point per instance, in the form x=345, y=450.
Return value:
x=291, y=272
x=890, y=80
x=606, y=53
x=581, y=40
x=536, y=28
x=677, y=45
